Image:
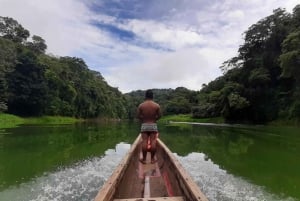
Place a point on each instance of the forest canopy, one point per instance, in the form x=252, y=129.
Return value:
x=33, y=83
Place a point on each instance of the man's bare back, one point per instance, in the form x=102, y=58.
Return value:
x=148, y=113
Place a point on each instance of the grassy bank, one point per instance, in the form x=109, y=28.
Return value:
x=189, y=118
x=285, y=122
x=51, y=120
x=10, y=121
x=219, y=120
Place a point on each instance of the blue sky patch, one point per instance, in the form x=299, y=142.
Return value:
x=116, y=31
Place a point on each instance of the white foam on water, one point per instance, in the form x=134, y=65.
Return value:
x=218, y=185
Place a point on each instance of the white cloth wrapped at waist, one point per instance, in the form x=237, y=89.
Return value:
x=149, y=127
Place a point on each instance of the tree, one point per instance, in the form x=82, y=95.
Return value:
x=290, y=64
x=264, y=31
x=290, y=57
x=7, y=63
x=233, y=63
x=259, y=76
x=37, y=45
x=205, y=110
x=12, y=30
x=178, y=105
x=296, y=17
x=237, y=102
x=27, y=86
x=32, y=83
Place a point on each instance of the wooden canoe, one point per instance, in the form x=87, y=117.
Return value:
x=165, y=180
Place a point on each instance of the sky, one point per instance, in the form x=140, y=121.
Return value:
x=143, y=44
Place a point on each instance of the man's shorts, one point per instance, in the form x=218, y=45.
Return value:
x=149, y=127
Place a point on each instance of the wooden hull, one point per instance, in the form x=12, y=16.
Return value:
x=164, y=180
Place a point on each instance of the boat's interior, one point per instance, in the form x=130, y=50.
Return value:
x=163, y=180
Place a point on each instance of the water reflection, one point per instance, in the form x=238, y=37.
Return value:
x=30, y=151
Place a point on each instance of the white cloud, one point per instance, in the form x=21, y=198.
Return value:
x=190, y=68
x=63, y=24
x=202, y=36
x=236, y=15
x=289, y=5
x=172, y=37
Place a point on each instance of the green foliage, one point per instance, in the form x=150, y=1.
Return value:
x=290, y=63
x=37, y=45
x=190, y=118
x=76, y=91
x=294, y=112
x=179, y=117
x=259, y=76
x=178, y=105
x=9, y=121
x=7, y=55
x=290, y=59
x=12, y=30
x=205, y=110
x=27, y=86
x=50, y=120
x=34, y=84
x=237, y=102
x=262, y=81
x=7, y=62
x=178, y=101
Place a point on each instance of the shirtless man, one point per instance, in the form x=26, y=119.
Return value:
x=148, y=113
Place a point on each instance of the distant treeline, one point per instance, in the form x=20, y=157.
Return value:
x=33, y=83
x=260, y=84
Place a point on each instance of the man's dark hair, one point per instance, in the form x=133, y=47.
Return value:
x=149, y=94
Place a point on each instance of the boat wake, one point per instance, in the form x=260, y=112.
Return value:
x=82, y=181
x=218, y=185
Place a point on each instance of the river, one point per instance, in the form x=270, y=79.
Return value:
x=71, y=162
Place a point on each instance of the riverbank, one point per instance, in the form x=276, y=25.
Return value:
x=221, y=120
x=189, y=118
x=11, y=121
x=285, y=122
